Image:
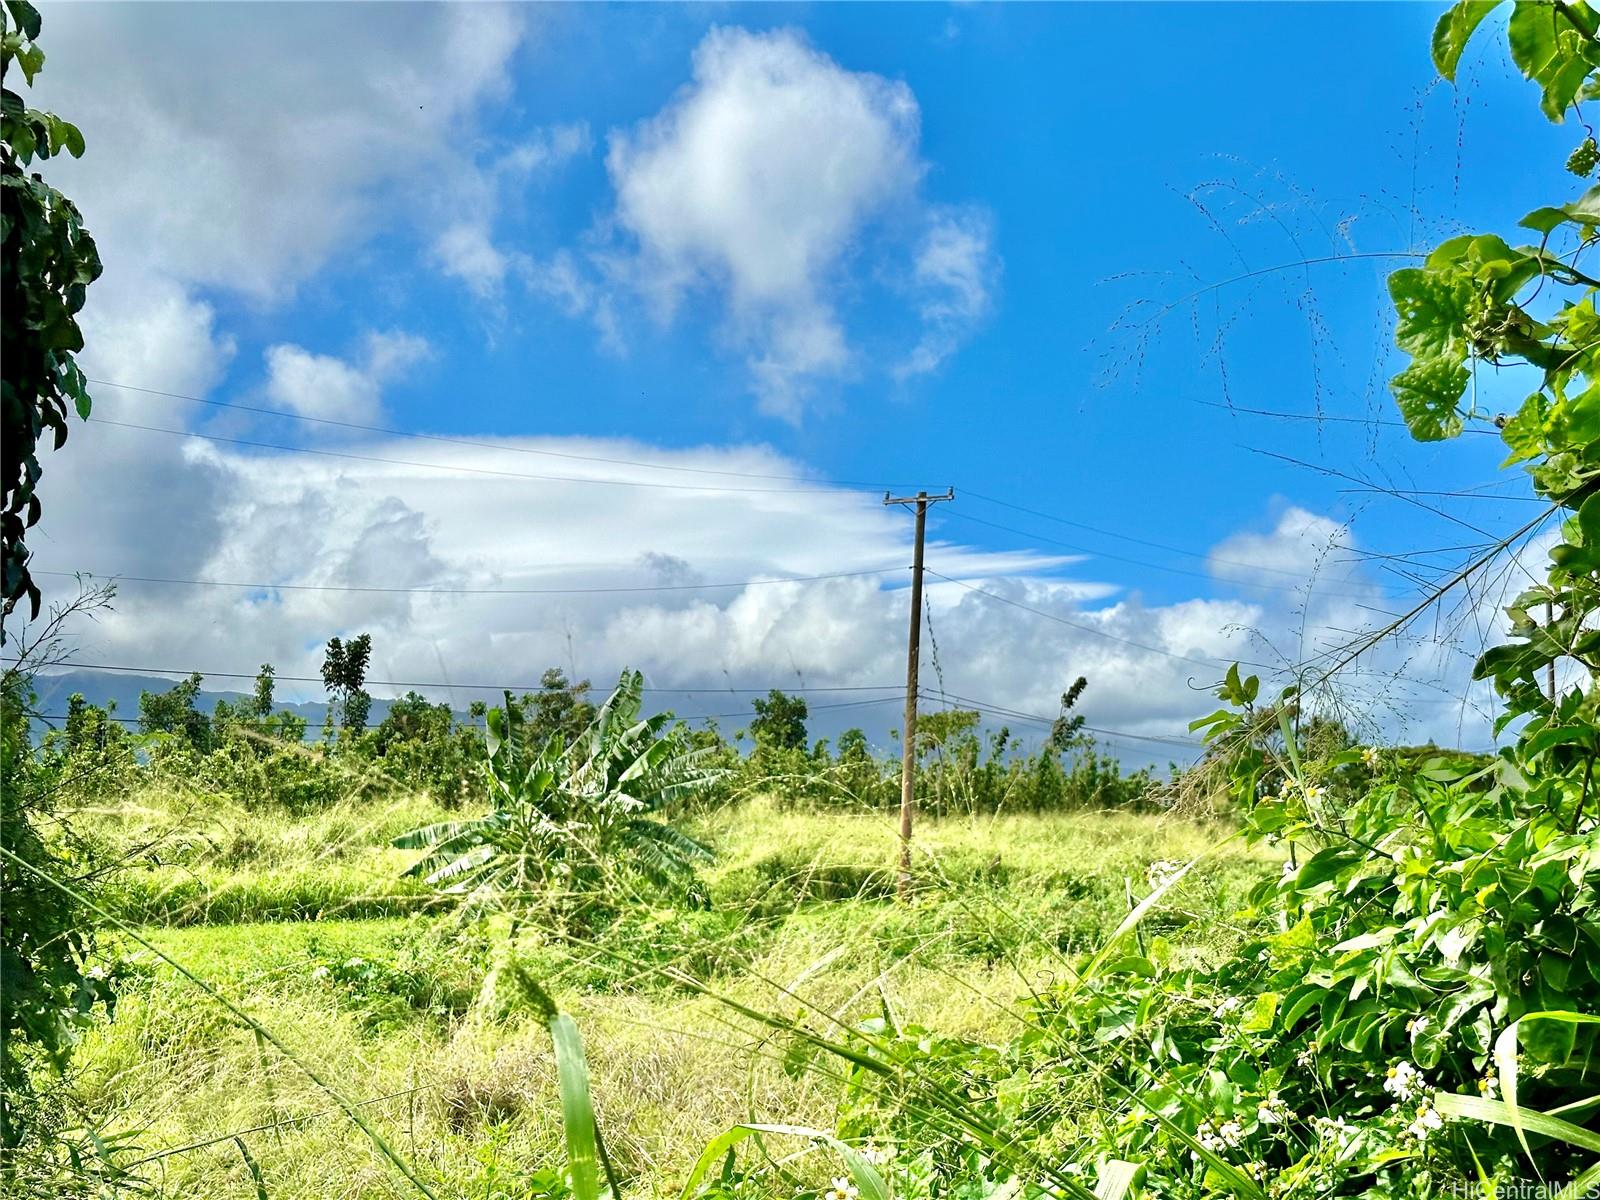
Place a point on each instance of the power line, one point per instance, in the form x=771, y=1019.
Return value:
x=402, y=462
x=1320, y=417
x=449, y=591
x=680, y=716
x=467, y=687
x=1002, y=711
x=477, y=443
x=1100, y=633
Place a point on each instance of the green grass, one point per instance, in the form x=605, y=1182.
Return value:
x=801, y=906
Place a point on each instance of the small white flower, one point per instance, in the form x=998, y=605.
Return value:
x=1289, y=869
x=1314, y=793
x=842, y=1189
x=1489, y=1087
x=320, y=973
x=95, y=971
x=1425, y=1122
x=1416, y=1025
x=1216, y=1138
x=354, y=964
x=1403, y=1081
x=1229, y=1006
x=878, y=1156
x=1306, y=1059
x=1371, y=759
x=1272, y=1110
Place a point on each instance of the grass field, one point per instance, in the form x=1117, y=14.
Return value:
x=308, y=927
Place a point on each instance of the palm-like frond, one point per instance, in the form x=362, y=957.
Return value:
x=558, y=805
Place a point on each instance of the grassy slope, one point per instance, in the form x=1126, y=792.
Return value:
x=799, y=909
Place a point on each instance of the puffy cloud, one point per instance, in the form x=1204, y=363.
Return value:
x=954, y=276
x=318, y=385
x=763, y=185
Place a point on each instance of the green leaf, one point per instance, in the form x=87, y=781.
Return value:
x=1451, y=34
x=1433, y=307
x=1261, y=1014
x=1551, y=51
x=1498, y=1112
x=1427, y=393
x=1116, y=1179
x=1545, y=220
x=862, y=1173
x=577, y=1110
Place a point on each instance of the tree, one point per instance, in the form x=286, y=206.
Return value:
x=780, y=721
x=344, y=674
x=174, y=712
x=49, y=262
x=261, y=701
x=1066, y=731
x=558, y=707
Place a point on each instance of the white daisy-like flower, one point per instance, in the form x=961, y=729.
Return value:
x=878, y=1156
x=1425, y=1122
x=320, y=973
x=842, y=1189
x=1272, y=1110
x=1314, y=792
x=1371, y=759
x=1306, y=1059
x=1228, y=1007
x=1403, y=1081
x=1216, y=1138
x=1489, y=1087
x=95, y=971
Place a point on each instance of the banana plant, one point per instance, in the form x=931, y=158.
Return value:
x=572, y=818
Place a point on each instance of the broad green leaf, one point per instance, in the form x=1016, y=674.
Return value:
x=1427, y=393
x=1498, y=1112
x=1116, y=1179
x=1454, y=30
x=863, y=1173
x=1433, y=307
x=577, y=1111
x=1550, y=51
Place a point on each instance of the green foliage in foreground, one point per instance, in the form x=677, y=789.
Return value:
x=49, y=262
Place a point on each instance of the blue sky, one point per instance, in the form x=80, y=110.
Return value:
x=894, y=244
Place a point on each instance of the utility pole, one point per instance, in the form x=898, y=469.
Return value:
x=908, y=733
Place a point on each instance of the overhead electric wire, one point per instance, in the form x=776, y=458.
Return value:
x=1321, y=417
x=449, y=591
x=375, y=724
x=466, y=687
x=1017, y=714
x=478, y=443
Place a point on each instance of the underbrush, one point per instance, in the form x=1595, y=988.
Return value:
x=397, y=1010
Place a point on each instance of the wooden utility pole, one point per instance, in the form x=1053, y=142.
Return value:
x=908, y=734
